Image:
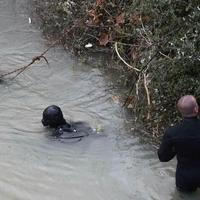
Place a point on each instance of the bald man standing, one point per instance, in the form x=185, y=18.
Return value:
x=183, y=141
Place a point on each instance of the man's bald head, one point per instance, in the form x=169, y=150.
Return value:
x=188, y=106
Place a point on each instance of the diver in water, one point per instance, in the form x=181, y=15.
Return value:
x=183, y=141
x=53, y=118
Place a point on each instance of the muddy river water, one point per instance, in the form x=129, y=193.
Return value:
x=112, y=165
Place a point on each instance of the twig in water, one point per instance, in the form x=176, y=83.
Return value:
x=37, y=58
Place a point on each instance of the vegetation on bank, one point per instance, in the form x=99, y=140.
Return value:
x=157, y=41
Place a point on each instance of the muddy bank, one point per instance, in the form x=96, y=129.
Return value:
x=155, y=44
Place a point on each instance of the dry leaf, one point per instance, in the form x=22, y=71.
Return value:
x=130, y=100
x=115, y=99
x=95, y=16
x=130, y=106
x=99, y=2
x=135, y=18
x=120, y=19
x=145, y=19
x=104, y=39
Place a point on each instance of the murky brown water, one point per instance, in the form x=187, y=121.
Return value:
x=112, y=166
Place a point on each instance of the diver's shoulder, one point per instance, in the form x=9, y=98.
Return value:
x=174, y=128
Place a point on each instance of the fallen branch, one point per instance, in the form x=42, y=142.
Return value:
x=137, y=87
x=131, y=67
x=147, y=93
x=126, y=102
x=36, y=58
x=148, y=40
x=165, y=55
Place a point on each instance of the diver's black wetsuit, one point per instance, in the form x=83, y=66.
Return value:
x=73, y=130
x=183, y=140
x=53, y=118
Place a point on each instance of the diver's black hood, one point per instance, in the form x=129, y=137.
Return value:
x=53, y=117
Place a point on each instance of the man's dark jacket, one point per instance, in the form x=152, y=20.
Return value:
x=183, y=141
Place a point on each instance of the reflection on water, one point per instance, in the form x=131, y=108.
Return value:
x=110, y=166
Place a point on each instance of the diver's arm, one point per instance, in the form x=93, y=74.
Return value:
x=166, y=150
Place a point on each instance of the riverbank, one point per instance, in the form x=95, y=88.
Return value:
x=156, y=43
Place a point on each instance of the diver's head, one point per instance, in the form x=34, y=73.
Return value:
x=53, y=117
x=188, y=106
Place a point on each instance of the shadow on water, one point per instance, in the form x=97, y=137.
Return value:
x=111, y=166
